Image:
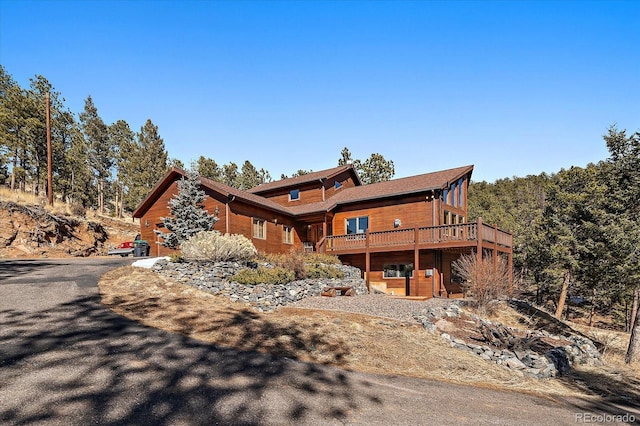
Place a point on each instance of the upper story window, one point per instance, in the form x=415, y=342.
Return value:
x=337, y=185
x=454, y=196
x=287, y=235
x=294, y=195
x=259, y=228
x=357, y=225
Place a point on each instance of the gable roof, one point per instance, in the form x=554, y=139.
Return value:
x=309, y=177
x=389, y=189
x=225, y=190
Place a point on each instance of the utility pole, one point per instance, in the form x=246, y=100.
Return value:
x=49, y=154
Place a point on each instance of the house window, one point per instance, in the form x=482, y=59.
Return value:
x=357, y=225
x=460, y=199
x=294, y=195
x=445, y=196
x=337, y=185
x=287, y=235
x=398, y=270
x=454, y=195
x=259, y=228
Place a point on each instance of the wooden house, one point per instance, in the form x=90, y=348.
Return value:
x=404, y=233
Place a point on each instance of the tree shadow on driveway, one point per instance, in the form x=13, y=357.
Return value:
x=80, y=363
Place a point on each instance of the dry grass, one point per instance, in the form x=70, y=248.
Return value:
x=346, y=340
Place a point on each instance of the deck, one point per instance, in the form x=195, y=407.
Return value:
x=472, y=235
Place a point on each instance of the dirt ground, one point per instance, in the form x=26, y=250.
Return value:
x=350, y=341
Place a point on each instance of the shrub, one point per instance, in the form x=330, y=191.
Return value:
x=215, y=247
x=78, y=210
x=176, y=258
x=327, y=259
x=263, y=275
x=293, y=261
x=319, y=270
x=481, y=279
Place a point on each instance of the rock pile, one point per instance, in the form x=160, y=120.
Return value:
x=215, y=277
x=552, y=362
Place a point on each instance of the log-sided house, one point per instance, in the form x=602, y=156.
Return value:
x=404, y=233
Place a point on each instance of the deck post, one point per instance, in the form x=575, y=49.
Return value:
x=495, y=247
x=510, y=263
x=479, y=245
x=416, y=261
x=367, y=260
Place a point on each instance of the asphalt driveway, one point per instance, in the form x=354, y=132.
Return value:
x=66, y=359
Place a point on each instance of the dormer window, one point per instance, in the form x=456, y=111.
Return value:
x=337, y=185
x=294, y=195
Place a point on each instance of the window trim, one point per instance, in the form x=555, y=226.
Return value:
x=397, y=270
x=297, y=191
x=287, y=234
x=357, y=225
x=258, y=224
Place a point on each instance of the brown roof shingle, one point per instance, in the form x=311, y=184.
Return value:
x=298, y=180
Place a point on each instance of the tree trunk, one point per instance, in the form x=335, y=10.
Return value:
x=634, y=307
x=633, y=351
x=563, y=294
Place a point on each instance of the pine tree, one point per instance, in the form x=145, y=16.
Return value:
x=188, y=216
x=101, y=152
x=249, y=176
x=208, y=168
x=144, y=163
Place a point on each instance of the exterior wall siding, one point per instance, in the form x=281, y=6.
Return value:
x=412, y=212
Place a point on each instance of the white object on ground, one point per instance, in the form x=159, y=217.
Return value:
x=148, y=263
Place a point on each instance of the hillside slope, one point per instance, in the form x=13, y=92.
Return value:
x=32, y=231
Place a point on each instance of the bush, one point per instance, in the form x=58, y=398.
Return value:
x=327, y=259
x=319, y=270
x=481, y=279
x=293, y=261
x=262, y=275
x=176, y=258
x=215, y=247
x=78, y=210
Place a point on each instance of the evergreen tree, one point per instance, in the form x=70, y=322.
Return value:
x=376, y=169
x=188, y=216
x=101, y=152
x=145, y=163
x=249, y=176
x=229, y=175
x=208, y=168
x=345, y=157
x=123, y=141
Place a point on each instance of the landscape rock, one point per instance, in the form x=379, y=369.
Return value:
x=216, y=278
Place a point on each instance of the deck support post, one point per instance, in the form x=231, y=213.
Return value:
x=495, y=247
x=367, y=260
x=479, y=245
x=416, y=261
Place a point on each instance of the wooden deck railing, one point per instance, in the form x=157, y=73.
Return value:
x=446, y=235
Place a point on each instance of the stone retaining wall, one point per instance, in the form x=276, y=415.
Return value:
x=215, y=277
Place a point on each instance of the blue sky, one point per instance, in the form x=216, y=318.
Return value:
x=514, y=88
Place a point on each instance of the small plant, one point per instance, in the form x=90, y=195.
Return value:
x=176, y=258
x=78, y=210
x=215, y=247
x=261, y=275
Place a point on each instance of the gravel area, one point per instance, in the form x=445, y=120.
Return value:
x=369, y=304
